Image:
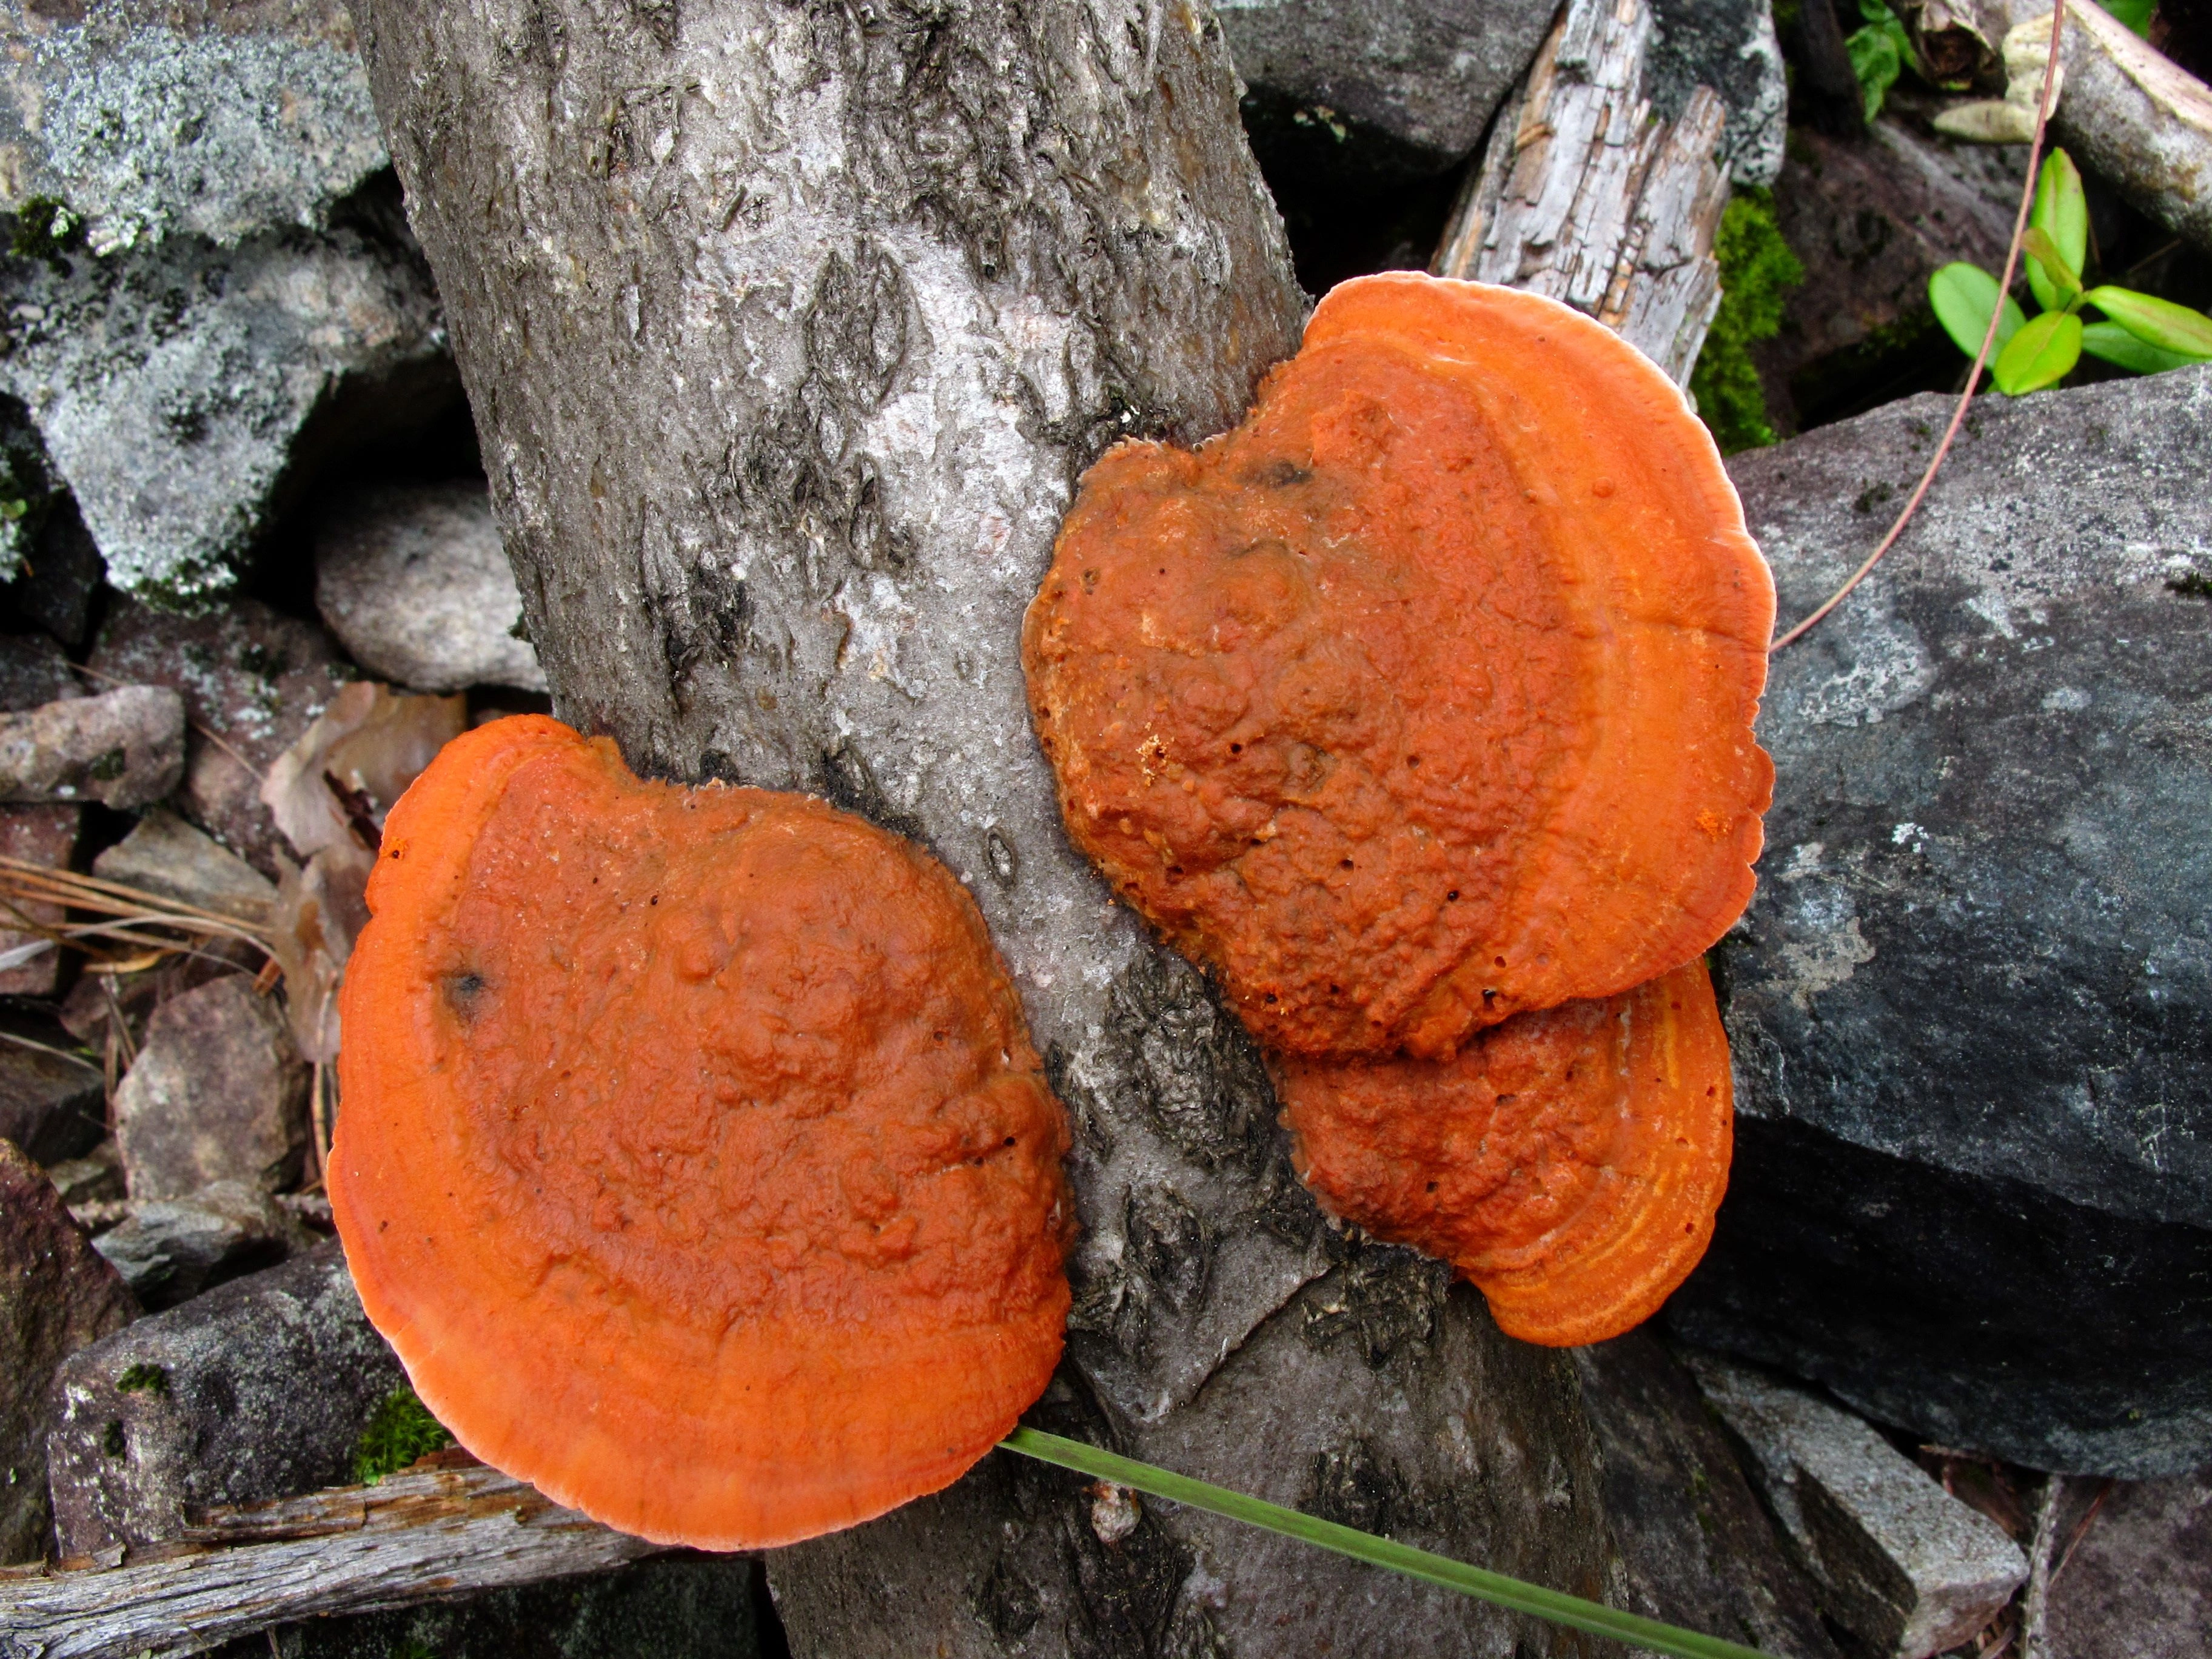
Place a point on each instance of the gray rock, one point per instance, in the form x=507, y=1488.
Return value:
x=414, y=581
x=1428, y=76
x=260, y=1389
x=169, y=382
x=252, y=681
x=217, y=1093
x=1391, y=1403
x=149, y=121
x=1908, y=1569
x=26, y=487
x=1972, y=1001
x=55, y=1296
x=54, y=589
x=122, y=748
x=52, y=1106
x=170, y=1249
x=1698, y=1549
x=1730, y=47
x=2139, y=1583
x=165, y=855
x=95, y=1178
x=30, y=964
x=33, y=669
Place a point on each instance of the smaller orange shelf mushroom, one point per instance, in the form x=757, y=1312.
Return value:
x=1425, y=696
x=694, y=1155
x=1568, y=1162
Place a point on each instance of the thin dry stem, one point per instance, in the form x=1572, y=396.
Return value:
x=1981, y=357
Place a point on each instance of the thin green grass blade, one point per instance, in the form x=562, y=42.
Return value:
x=1495, y=1587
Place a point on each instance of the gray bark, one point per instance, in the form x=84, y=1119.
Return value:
x=788, y=331
x=440, y=1531
x=1587, y=197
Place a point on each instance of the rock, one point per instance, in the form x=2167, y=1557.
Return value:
x=1870, y=220
x=122, y=748
x=30, y=964
x=414, y=581
x=170, y=382
x=167, y=856
x=1699, y=1551
x=95, y=1178
x=2139, y=1583
x=217, y=1093
x=1418, y=81
x=54, y=590
x=1394, y=1406
x=33, y=670
x=688, y=1607
x=259, y=1388
x=26, y=488
x=55, y=1296
x=1970, y=1003
x=148, y=125
x=52, y=1106
x=1908, y=1569
x=251, y=677
x=170, y=1249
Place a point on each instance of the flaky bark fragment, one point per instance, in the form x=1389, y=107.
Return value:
x=1585, y=196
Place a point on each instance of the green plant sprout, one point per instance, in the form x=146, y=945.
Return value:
x=1559, y=1608
x=2140, y=332
x=1879, y=51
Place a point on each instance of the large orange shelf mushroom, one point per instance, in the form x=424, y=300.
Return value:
x=1568, y=1162
x=1424, y=697
x=694, y=1157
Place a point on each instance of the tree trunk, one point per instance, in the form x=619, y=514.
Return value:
x=789, y=328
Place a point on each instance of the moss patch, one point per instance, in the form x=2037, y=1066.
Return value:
x=1757, y=270
x=400, y=1431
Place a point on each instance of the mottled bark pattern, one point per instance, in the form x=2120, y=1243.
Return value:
x=789, y=328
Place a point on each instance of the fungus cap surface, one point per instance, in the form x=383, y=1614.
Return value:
x=1568, y=1162
x=693, y=1154
x=1425, y=696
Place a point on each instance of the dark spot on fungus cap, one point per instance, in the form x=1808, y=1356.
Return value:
x=760, y=1185
x=1239, y=695
x=1568, y=1162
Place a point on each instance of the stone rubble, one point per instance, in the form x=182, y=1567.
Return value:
x=415, y=583
x=167, y=856
x=218, y=1092
x=170, y=1249
x=52, y=1105
x=2136, y=1574
x=1905, y=1567
x=55, y=1297
x=30, y=964
x=124, y=748
x=259, y=1388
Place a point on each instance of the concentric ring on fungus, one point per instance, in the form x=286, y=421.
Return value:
x=694, y=1157
x=1425, y=696
x=1568, y=1162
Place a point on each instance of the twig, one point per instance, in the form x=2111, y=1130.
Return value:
x=2080, y=1528
x=1981, y=357
x=21, y=1042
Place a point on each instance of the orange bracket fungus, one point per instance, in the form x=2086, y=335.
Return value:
x=1425, y=696
x=1569, y=1161
x=694, y=1155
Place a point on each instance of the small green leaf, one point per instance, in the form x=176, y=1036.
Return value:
x=2135, y=13
x=2057, y=286
x=2062, y=213
x=1879, y=53
x=2043, y=352
x=2156, y=322
x=1963, y=296
x=2115, y=345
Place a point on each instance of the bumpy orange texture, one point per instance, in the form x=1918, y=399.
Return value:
x=1569, y=1161
x=1425, y=696
x=693, y=1155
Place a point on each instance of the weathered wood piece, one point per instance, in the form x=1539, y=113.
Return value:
x=1586, y=196
x=788, y=331
x=447, y=1527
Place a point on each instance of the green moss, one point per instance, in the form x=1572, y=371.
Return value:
x=45, y=225
x=1757, y=270
x=400, y=1431
x=143, y=1377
